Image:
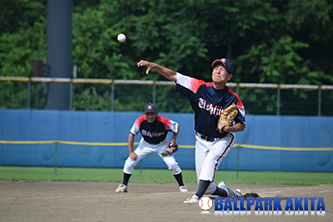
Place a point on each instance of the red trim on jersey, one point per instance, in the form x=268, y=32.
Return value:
x=228, y=147
x=239, y=102
x=196, y=83
x=139, y=120
x=164, y=120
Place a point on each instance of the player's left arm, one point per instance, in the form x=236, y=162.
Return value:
x=174, y=136
x=175, y=129
x=237, y=127
x=239, y=119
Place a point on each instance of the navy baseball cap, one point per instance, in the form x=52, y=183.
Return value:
x=150, y=108
x=226, y=63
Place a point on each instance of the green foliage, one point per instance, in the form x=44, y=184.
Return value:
x=14, y=93
x=311, y=22
x=18, y=50
x=277, y=62
x=171, y=101
x=284, y=41
x=95, y=49
x=259, y=101
x=16, y=14
x=22, y=40
x=132, y=97
x=92, y=97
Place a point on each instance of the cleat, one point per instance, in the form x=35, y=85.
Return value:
x=183, y=189
x=230, y=192
x=121, y=188
x=193, y=199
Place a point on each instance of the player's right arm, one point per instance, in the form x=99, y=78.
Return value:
x=166, y=72
x=133, y=132
x=132, y=154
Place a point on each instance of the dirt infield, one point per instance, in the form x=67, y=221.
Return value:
x=97, y=201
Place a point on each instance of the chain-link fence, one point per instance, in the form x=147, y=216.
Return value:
x=132, y=95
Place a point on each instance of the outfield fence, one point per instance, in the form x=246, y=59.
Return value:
x=132, y=95
x=99, y=139
x=236, y=156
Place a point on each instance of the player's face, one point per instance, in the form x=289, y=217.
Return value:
x=220, y=74
x=150, y=117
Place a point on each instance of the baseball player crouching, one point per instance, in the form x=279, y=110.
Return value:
x=213, y=139
x=154, y=129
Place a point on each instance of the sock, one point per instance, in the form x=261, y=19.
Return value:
x=202, y=187
x=179, y=179
x=126, y=178
x=220, y=192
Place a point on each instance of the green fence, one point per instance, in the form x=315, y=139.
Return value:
x=132, y=95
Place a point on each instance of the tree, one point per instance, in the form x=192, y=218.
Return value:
x=268, y=41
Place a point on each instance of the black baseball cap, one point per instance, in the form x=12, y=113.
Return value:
x=226, y=63
x=150, y=108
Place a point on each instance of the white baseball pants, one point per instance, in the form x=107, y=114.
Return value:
x=209, y=155
x=144, y=149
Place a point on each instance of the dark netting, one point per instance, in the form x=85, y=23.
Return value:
x=133, y=98
x=327, y=103
x=13, y=95
x=168, y=100
x=299, y=102
x=16, y=95
x=91, y=97
x=259, y=100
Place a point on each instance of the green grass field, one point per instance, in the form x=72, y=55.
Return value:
x=34, y=174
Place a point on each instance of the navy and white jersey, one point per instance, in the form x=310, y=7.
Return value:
x=208, y=103
x=155, y=132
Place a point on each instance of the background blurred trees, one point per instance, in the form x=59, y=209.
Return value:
x=268, y=41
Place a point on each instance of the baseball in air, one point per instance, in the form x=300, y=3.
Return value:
x=121, y=37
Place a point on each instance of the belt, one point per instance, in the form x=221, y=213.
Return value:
x=208, y=138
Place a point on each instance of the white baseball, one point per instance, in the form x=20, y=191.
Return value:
x=205, y=203
x=121, y=37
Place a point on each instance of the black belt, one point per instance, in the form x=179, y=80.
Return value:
x=208, y=138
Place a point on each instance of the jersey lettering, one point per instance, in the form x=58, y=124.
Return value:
x=151, y=134
x=213, y=110
x=155, y=132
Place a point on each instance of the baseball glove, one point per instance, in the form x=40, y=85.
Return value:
x=227, y=117
x=173, y=147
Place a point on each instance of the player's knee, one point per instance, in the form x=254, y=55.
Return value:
x=129, y=166
x=174, y=168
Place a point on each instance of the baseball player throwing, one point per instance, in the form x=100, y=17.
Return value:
x=208, y=101
x=154, y=129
